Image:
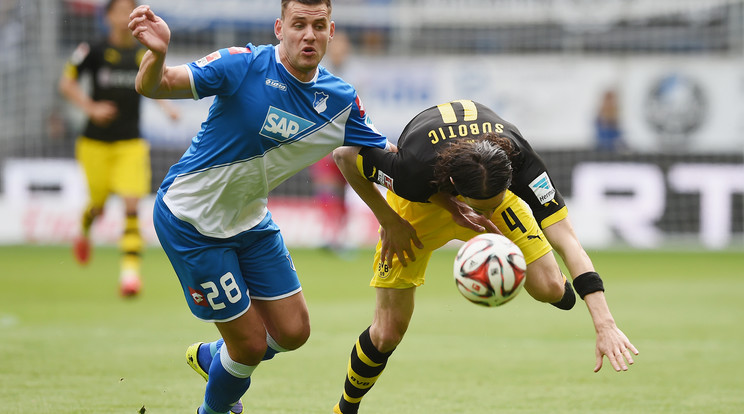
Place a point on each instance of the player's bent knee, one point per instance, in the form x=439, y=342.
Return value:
x=296, y=339
x=387, y=339
x=249, y=352
x=547, y=290
x=291, y=337
x=556, y=287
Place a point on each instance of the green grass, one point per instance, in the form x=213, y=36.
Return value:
x=69, y=344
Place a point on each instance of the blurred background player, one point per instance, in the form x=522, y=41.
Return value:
x=275, y=112
x=113, y=155
x=459, y=170
x=329, y=188
x=329, y=185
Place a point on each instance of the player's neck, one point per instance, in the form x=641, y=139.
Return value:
x=121, y=39
x=298, y=74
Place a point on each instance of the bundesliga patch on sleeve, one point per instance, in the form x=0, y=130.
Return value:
x=80, y=53
x=385, y=180
x=209, y=58
x=543, y=188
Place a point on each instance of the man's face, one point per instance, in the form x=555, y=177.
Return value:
x=118, y=15
x=304, y=33
x=487, y=206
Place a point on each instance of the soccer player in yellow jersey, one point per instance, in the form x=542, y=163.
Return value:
x=459, y=170
x=114, y=157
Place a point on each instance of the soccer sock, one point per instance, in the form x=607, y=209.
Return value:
x=272, y=348
x=228, y=381
x=131, y=240
x=87, y=220
x=569, y=297
x=206, y=353
x=365, y=366
x=208, y=350
x=131, y=243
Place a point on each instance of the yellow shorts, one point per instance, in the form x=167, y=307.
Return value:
x=120, y=167
x=435, y=228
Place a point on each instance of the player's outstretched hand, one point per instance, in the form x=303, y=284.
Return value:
x=470, y=219
x=149, y=29
x=463, y=215
x=397, y=238
x=612, y=343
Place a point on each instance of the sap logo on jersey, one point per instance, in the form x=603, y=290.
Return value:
x=282, y=126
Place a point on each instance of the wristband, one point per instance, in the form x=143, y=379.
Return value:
x=587, y=283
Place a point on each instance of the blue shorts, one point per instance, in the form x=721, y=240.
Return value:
x=220, y=276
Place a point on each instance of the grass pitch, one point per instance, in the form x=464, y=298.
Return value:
x=70, y=344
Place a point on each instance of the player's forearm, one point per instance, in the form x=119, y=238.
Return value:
x=150, y=75
x=599, y=311
x=345, y=158
x=158, y=81
x=70, y=89
x=563, y=239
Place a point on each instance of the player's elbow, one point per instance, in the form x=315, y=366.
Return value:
x=64, y=85
x=140, y=88
x=345, y=156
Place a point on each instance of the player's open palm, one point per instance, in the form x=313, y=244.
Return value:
x=149, y=29
x=612, y=343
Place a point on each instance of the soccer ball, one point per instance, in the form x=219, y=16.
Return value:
x=489, y=270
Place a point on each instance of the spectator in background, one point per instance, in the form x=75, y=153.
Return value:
x=329, y=185
x=111, y=151
x=607, y=123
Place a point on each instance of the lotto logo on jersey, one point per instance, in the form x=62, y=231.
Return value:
x=543, y=188
x=198, y=297
x=282, y=126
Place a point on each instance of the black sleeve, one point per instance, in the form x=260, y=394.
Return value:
x=532, y=183
x=396, y=172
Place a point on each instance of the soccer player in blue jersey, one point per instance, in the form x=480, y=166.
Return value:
x=275, y=112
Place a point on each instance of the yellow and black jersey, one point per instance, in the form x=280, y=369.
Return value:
x=113, y=71
x=409, y=172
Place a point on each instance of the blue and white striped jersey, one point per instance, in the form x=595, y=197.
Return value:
x=263, y=127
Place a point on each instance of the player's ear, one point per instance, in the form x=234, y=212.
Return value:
x=278, y=29
x=333, y=30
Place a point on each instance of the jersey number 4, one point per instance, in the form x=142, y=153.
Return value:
x=512, y=221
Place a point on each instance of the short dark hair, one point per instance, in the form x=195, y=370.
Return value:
x=110, y=4
x=475, y=168
x=285, y=3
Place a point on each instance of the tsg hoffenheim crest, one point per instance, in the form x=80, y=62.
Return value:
x=319, y=103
